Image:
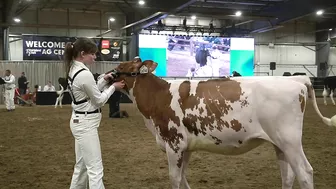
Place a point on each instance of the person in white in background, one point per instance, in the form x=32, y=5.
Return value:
x=9, y=90
x=49, y=87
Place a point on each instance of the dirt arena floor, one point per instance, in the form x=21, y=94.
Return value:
x=37, y=152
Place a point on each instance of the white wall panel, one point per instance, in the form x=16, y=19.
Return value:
x=284, y=54
x=15, y=49
x=332, y=61
x=332, y=56
x=264, y=69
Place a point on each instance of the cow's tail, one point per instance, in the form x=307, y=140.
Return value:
x=328, y=121
x=60, y=91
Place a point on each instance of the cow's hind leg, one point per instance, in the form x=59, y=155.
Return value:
x=60, y=100
x=175, y=163
x=301, y=167
x=57, y=99
x=332, y=96
x=287, y=136
x=293, y=151
x=325, y=94
x=287, y=174
x=185, y=163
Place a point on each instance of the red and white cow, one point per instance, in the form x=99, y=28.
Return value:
x=228, y=116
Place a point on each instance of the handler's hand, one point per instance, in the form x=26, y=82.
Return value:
x=119, y=85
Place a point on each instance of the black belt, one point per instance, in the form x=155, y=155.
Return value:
x=93, y=112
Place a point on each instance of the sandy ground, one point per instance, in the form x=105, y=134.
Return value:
x=37, y=152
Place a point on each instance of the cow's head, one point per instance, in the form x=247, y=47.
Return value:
x=129, y=70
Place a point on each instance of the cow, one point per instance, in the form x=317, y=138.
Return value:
x=64, y=88
x=329, y=86
x=2, y=81
x=229, y=116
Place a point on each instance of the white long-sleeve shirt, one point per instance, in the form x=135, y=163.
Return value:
x=84, y=87
x=49, y=88
x=10, y=81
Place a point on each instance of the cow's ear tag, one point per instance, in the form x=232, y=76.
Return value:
x=143, y=69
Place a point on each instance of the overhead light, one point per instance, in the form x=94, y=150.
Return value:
x=17, y=20
x=238, y=13
x=141, y=2
x=319, y=12
x=193, y=17
x=330, y=29
x=112, y=19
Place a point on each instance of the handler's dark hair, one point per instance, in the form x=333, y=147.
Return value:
x=73, y=50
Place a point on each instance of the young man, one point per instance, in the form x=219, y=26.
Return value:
x=9, y=90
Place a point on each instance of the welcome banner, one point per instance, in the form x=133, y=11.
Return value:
x=44, y=47
x=52, y=48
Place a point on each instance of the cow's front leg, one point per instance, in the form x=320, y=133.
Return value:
x=175, y=163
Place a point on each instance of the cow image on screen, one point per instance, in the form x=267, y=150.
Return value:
x=198, y=56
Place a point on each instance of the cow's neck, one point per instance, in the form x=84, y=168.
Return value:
x=153, y=99
x=150, y=92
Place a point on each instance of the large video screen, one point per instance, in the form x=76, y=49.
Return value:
x=191, y=56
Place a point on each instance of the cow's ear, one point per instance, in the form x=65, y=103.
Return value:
x=151, y=65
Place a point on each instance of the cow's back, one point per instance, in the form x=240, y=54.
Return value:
x=228, y=111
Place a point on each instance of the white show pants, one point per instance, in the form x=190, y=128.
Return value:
x=9, y=99
x=89, y=165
